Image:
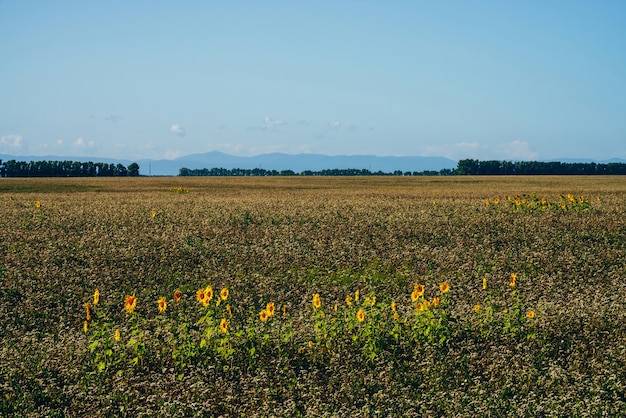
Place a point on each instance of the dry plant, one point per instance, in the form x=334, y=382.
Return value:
x=455, y=296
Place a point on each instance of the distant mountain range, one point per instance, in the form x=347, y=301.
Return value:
x=279, y=162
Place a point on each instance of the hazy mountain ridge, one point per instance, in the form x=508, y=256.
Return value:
x=279, y=161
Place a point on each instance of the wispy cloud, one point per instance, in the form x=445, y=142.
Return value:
x=514, y=150
x=80, y=142
x=112, y=118
x=178, y=130
x=270, y=124
x=12, y=141
x=335, y=124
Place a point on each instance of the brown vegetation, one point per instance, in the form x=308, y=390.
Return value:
x=554, y=344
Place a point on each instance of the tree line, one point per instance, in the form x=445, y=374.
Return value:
x=507, y=168
x=15, y=168
x=254, y=172
x=466, y=167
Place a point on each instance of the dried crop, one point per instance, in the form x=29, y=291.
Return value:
x=457, y=296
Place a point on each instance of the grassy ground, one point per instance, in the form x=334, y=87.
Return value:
x=553, y=345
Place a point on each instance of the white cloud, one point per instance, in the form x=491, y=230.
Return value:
x=176, y=129
x=12, y=141
x=60, y=142
x=80, y=142
x=515, y=150
x=335, y=124
x=171, y=155
x=270, y=123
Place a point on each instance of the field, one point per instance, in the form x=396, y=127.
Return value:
x=454, y=296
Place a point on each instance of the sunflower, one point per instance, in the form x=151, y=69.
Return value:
x=200, y=295
x=96, y=297
x=37, y=204
x=130, y=303
x=153, y=213
x=162, y=304
x=484, y=283
x=263, y=315
x=360, y=315
x=317, y=302
x=177, y=296
x=87, y=311
x=530, y=314
x=356, y=296
x=435, y=303
x=426, y=305
x=414, y=296
x=419, y=307
x=419, y=289
x=85, y=326
x=224, y=326
x=349, y=300
x=393, y=306
x=476, y=308
x=229, y=310
x=270, y=308
x=512, y=279
x=117, y=335
x=224, y=294
x=444, y=287
x=208, y=294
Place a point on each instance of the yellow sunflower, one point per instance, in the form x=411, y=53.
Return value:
x=444, y=287
x=224, y=294
x=96, y=297
x=224, y=326
x=177, y=296
x=200, y=295
x=130, y=303
x=208, y=294
x=162, y=304
x=263, y=315
x=317, y=302
x=270, y=308
x=360, y=315
x=419, y=289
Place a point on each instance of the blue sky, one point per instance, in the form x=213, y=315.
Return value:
x=518, y=80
